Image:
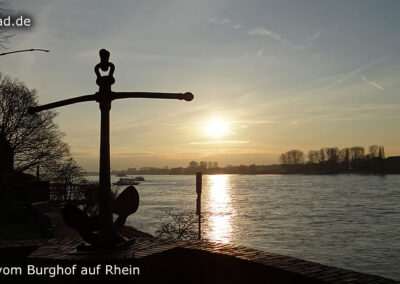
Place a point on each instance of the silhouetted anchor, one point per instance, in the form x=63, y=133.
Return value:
x=100, y=231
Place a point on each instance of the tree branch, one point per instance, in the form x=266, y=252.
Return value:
x=24, y=50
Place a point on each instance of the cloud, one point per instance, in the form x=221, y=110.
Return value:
x=372, y=83
x=315, y=36
x=342, y=78
x=266, y=33
x=132, y=154
x=254, y=121
x=347, y=113
x=309, y=41
x=223, y=21
x=220, y=142
x=219, y=21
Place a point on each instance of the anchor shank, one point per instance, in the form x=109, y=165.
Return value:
x=151, y=95
x=86, y=98
x=105, y=210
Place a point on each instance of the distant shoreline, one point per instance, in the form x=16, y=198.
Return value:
x=371, y=166
x=282, y=173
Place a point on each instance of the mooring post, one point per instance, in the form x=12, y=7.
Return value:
x=199, y=185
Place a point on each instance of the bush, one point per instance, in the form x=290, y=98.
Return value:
x=179, y=226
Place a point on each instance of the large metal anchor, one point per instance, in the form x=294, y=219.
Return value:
x=101, y=232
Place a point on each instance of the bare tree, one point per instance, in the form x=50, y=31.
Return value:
x=313, y=156
x=344, y=157
x=283, y=159
x=292, y=157
x=357, y=153
x=373, y=151
x=31, y=140
x=376, y=151
x=69, y=174
x=381, y=152
x=181, y=227
x=332, y=154
x=4, y=35
x=193, y=164
x=322, y=156
x=203, y=165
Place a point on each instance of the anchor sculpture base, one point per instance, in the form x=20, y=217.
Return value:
x=85, y=248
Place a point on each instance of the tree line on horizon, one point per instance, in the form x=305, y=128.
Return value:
x=334, y=159
x=332, y=155
x=324, y=160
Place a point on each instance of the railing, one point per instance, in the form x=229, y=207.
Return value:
x=79, y=193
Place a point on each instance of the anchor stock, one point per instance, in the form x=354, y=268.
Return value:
x=113, y=96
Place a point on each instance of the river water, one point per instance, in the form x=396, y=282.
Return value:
x=348, y=221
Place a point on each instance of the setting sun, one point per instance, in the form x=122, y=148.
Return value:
x=216, y=129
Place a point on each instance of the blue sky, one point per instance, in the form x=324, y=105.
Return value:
x=279, y=75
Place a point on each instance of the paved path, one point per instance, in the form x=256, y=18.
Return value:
x=61, y=230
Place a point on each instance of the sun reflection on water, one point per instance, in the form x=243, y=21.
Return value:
x=220, y=210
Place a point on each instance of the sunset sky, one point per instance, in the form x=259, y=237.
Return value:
x=268, y=76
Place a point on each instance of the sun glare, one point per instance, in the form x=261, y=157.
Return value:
x=216, y=129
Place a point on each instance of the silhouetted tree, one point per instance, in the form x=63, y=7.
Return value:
x=357, y=153
x=292, y=157
x=373, y=151
x=4, y=35
x=322, y=156
x=283, y=159
x=193, y=164
x=344, y=157
x=332, y=155
x=181, y=226
x=313, y=156
x=31, y=140
x=68, y=173
x=381, y=152
x=203, y=165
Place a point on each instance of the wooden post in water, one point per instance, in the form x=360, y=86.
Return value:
x=199, y=181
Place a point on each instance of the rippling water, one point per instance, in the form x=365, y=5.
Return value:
x=349, y=221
